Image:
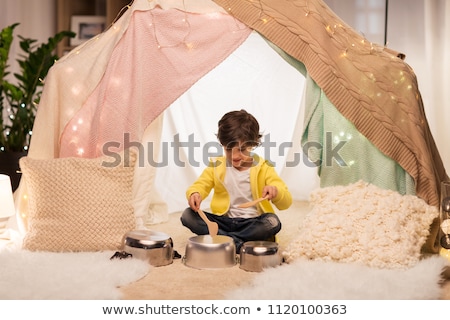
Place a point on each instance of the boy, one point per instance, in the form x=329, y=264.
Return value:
x=236, y=178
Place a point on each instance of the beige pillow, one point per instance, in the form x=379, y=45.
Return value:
x=363, y=224
x=77, y=204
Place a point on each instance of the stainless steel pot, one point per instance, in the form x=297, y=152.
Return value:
x=258, y=255
x=152, y=246
x=210, y=252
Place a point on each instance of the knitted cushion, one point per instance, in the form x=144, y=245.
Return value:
x=361, y=223
x=78, y=204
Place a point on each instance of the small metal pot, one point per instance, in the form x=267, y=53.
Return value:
x=152, y=246
x=258, y=255
x=210, y=252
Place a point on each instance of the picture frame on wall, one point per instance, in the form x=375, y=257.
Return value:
x=86, y=27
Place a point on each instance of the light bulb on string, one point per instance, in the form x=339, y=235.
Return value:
x=329, y=30
x=307, y=9
x=344, y=53
x=183, y=41
x=262, y=15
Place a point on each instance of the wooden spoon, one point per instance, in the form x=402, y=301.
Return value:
x=252, y=203
x=213, y=227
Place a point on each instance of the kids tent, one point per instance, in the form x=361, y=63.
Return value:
x=162, y=75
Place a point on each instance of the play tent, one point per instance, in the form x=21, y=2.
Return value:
x=165, y=72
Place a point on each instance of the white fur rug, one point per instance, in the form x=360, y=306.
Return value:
x=314, y=280
x=78, y=276
x=93, y=276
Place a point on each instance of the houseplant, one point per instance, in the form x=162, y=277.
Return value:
x=19, y=100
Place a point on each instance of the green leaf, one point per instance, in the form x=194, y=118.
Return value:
x=34, y=63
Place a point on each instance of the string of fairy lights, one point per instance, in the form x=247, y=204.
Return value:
x=184, y=21
x=350, y=42
x=334, y=30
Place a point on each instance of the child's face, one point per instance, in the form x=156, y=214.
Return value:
x=239, y=156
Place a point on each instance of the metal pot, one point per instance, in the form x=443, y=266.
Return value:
x=258, y=255
x=152, y=246
x=210, y=252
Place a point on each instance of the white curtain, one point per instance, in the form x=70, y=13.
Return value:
x=437, y=73
x=36, y=18
x=421, y=30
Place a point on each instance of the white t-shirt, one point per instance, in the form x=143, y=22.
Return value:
x=237, y=184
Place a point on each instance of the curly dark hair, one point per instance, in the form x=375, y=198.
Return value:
x=238, y=126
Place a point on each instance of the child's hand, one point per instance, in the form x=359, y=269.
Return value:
x=194, y=201
x=270, y=192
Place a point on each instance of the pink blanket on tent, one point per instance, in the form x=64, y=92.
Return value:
x=161, y=55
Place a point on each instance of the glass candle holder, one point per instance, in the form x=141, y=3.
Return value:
x=444, y=219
